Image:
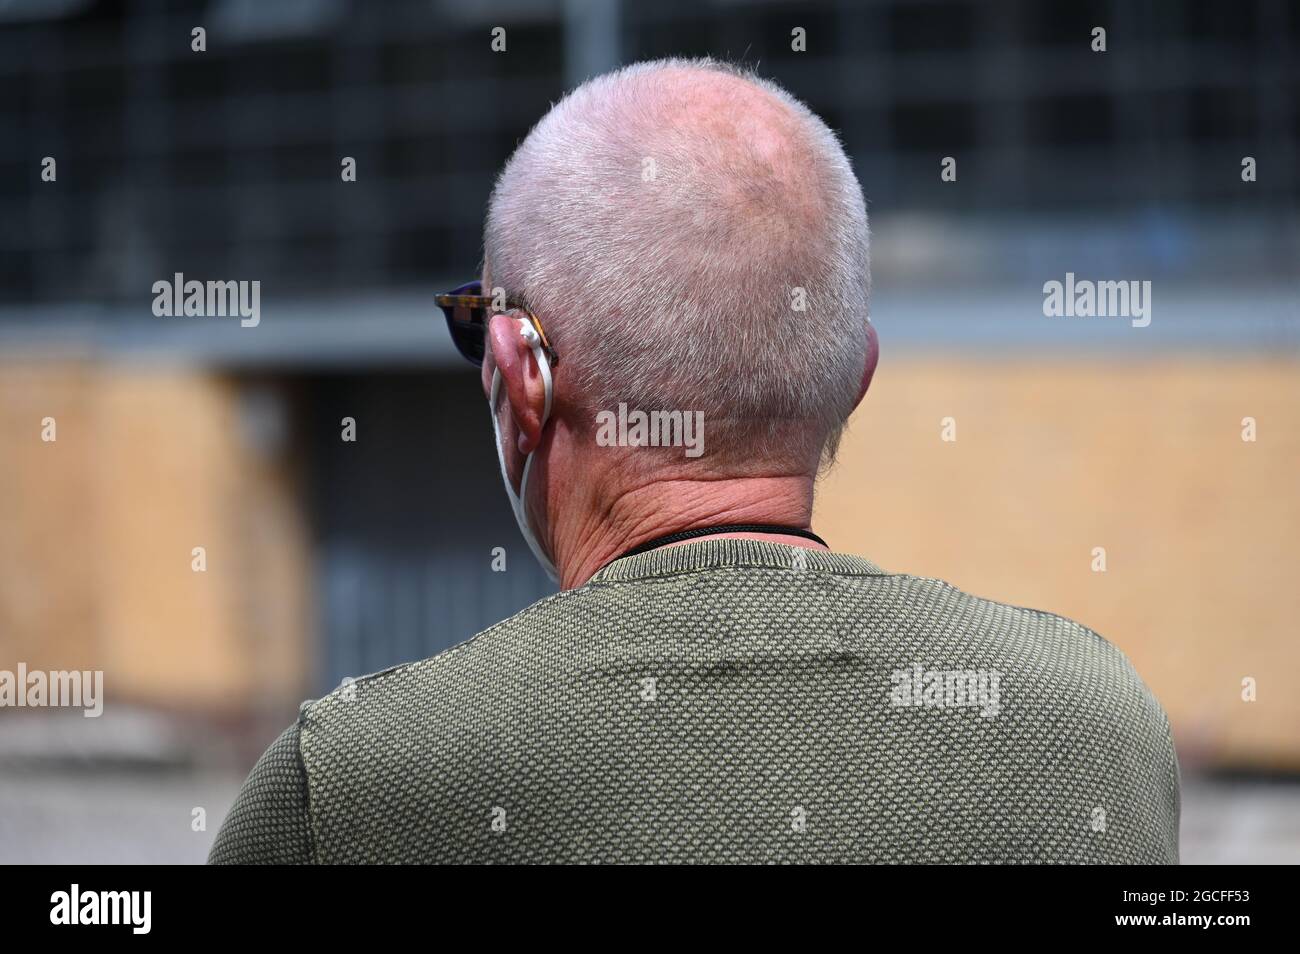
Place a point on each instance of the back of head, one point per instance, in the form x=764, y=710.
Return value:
x=694, y=239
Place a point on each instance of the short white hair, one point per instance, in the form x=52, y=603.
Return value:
x=693, y=238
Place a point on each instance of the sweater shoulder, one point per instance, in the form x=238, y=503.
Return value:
x=269, y=822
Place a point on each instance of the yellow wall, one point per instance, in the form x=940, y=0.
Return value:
x=99, y=526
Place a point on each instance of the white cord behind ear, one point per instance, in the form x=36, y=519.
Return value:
x=518, y=500
x=530, y=335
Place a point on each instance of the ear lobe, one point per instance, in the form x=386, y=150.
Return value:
x=873, y=358
x=525, y=389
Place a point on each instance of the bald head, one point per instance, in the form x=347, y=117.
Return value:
x=694, y=239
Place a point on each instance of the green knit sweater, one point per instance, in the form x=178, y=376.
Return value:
x=731, y=701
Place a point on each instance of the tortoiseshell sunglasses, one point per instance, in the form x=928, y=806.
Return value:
x=468, y=309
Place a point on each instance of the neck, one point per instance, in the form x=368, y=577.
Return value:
x=635, y=516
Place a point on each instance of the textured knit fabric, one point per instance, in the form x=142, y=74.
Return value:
x=731, y=701
x=270, y=815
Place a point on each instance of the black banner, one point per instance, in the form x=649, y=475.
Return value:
x=206, y=904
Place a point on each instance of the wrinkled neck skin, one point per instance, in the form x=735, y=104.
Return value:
x=602, y=502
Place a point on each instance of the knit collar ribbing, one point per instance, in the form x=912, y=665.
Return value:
x=715, y=553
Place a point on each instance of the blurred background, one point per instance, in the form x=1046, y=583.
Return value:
x=327, y=558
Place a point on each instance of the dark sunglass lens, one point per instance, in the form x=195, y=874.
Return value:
x=467, y=331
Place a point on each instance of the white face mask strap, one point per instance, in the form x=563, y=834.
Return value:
x=518, y=502
x=529, y=334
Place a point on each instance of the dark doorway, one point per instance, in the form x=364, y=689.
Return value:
x=406, y=518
